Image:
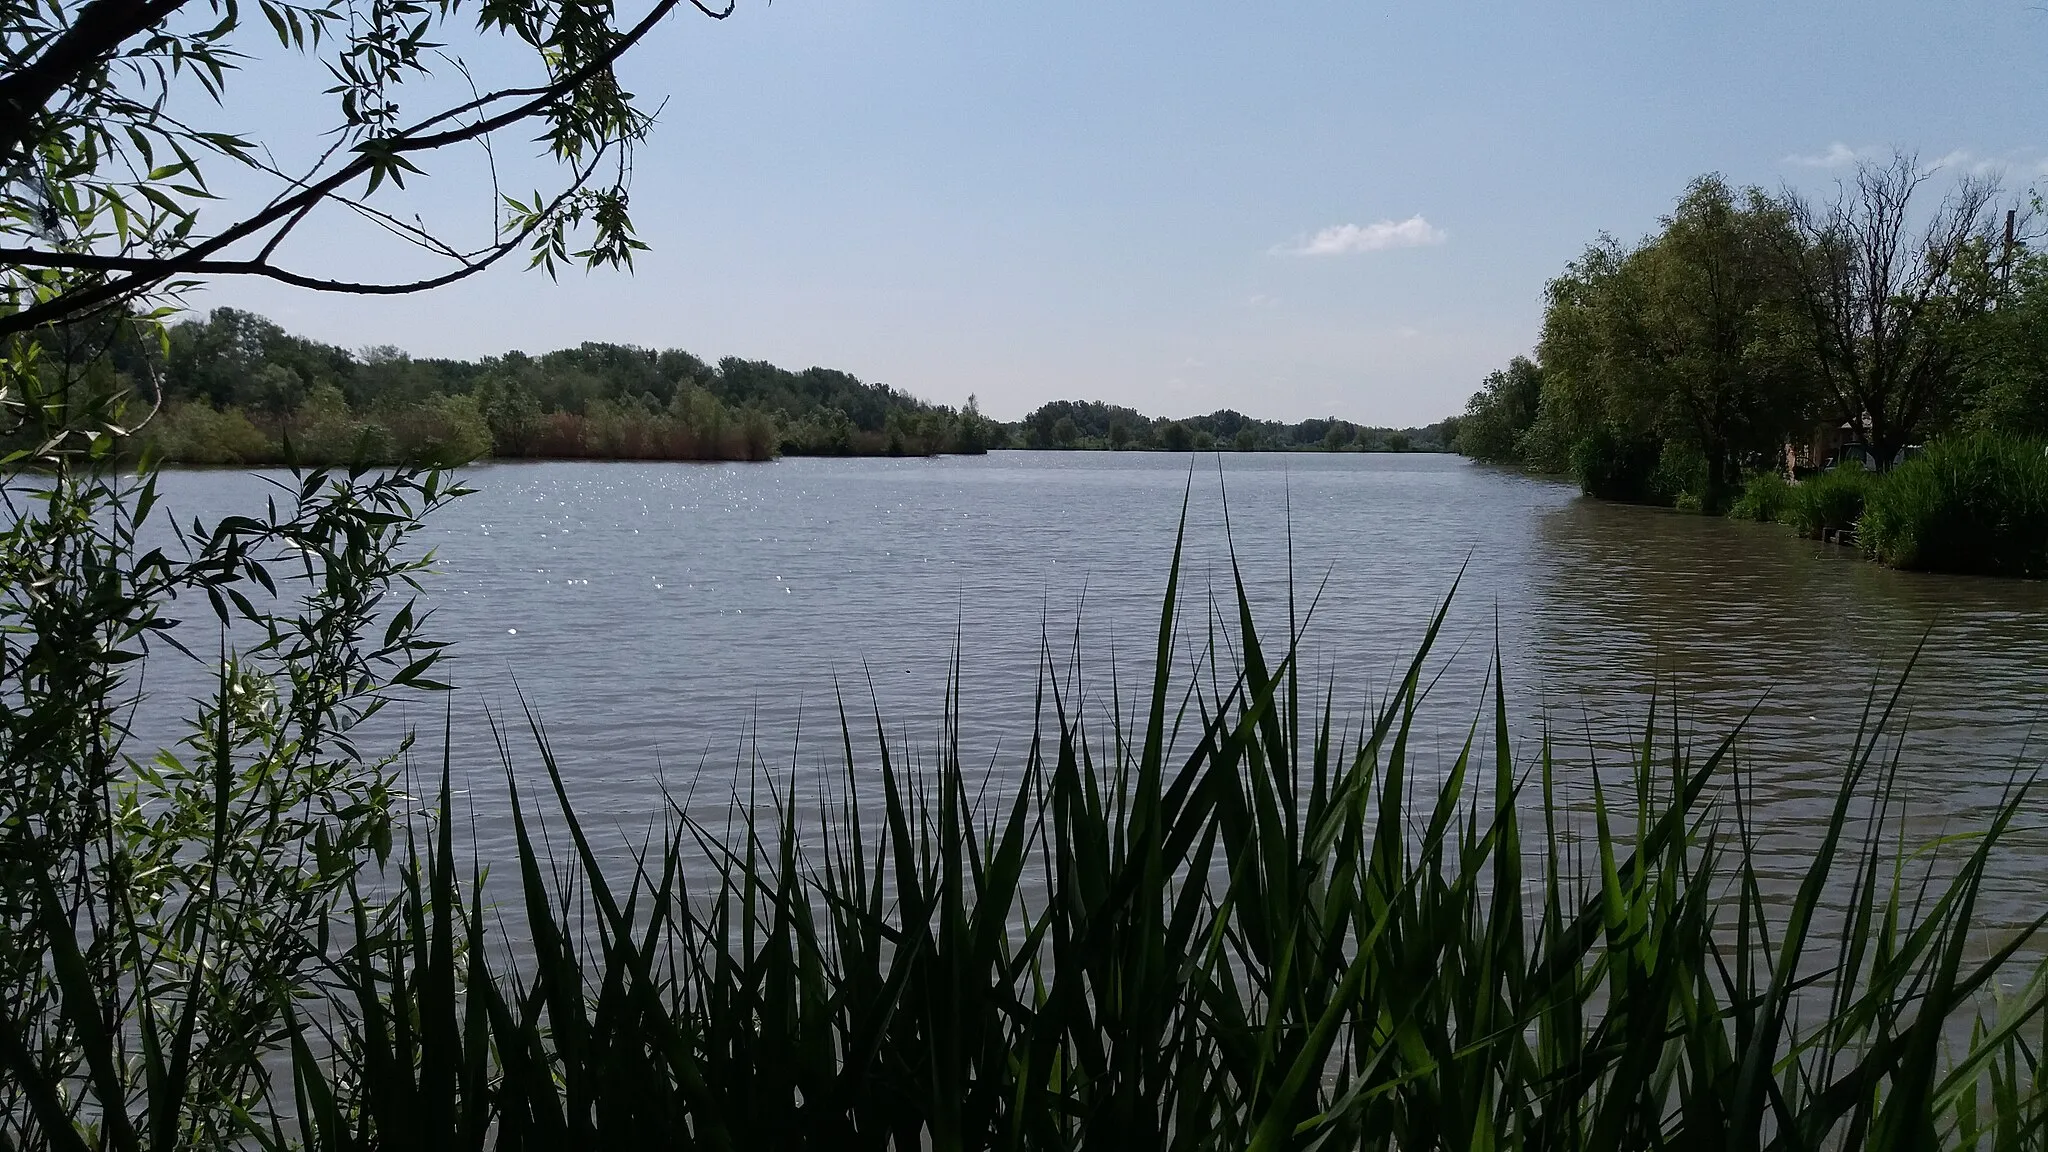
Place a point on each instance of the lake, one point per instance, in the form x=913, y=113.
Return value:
x=673, y=624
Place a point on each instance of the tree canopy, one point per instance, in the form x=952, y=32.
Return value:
x=239, y=389
x=1756, y=331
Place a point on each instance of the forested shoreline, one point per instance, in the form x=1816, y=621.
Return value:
x=237, y=389
x=1872, y=368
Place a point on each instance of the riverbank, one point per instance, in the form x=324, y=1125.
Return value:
x=1973, y=505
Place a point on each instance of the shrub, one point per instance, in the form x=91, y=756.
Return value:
x=1977, y=504
x=442, y=431
x=1612, y=466
x=1680, y=479
x=324, y=431
x=1766, y=498
x=1831, y=500
x=197, y=433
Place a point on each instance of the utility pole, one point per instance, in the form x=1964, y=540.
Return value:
x=2005, y=257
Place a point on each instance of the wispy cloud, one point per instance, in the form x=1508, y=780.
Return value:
x=1964, y=160
x=1347, y=239
x=1959, y=160
x=1837, y=155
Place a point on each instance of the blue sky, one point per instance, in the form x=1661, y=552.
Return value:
x=1293, y=209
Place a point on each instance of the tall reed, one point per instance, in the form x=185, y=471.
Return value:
x=1970, y=504
x=1221, y=920
x=1227, y=925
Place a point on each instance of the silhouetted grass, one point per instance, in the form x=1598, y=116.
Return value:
x=1227, y=926
x=1830, y=501
x=1766, y=498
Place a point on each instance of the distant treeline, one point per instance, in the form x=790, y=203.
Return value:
x=1088, y=424
x=239, y=389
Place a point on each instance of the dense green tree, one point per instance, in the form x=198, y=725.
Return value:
x=1706, y=332
x=1097, y=425
x=1500, y=413
x=2006, y=358
x=1667, y=367
x=236, y=388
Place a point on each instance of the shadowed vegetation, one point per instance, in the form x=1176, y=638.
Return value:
x=1212, y=917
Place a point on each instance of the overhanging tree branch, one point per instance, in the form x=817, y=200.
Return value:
x=57, y=282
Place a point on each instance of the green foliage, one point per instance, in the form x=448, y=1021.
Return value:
x=1680, y=340
x=239, y=387
x=1975, y=504
x=1612, y=466
x=1747, y=321
x=1766, y=499
x=1499, y=415
x=1214, y=921
x=165, y=913
x=1683, y=480
x=112, y=140
x=1090, y=424
x=2007, y=356
x=1830, y=501
x=195, y=433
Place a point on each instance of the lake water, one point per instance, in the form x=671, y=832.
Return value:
x=669, y=622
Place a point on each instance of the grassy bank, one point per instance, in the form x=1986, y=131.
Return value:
x=1212, y=917
x=1973, y=504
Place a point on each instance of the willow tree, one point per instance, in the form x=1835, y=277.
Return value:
x=1712, y=329
x=1680, y=339
x=114, y=140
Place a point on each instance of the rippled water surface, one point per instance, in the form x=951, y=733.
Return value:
x=669, y=621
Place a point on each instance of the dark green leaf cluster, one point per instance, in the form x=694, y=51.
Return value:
x=161, y=912
x=1974, y=504
x=238, y=389
x=1090, y=424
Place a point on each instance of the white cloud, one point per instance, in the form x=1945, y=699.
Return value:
x=1964, y=160
x=1345, y=239
x=1838, y=155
